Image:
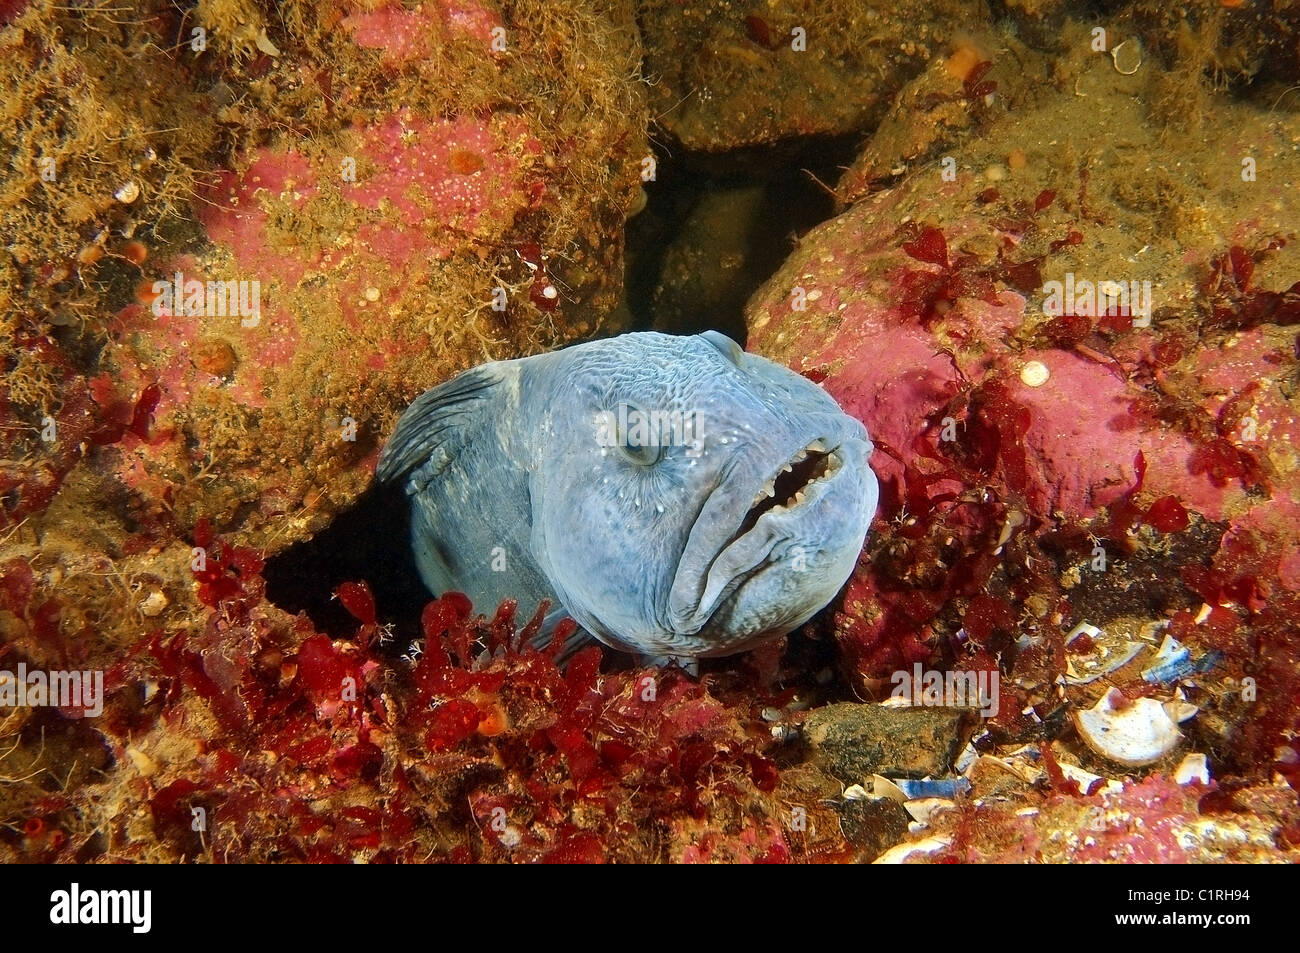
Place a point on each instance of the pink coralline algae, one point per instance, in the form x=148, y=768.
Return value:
x=402, y=35
x=1152, y=822
x=1030, y=460
x=409, y=183
x=407, y=193
x=917, y=332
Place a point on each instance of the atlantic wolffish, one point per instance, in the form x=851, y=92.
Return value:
x=676, y=496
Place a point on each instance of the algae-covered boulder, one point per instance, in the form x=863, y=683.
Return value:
x=1076, y=357
x=727, y=74
x=233, y=261
x=239, y=238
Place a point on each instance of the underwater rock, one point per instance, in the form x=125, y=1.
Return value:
x=1231, y=41
x=961, y=314
x=255, y=356
x=1046, y=460
x=926, y=115
x=851, y=742
x=705, y=267
x=900, y=341
x=729, y=75
x=872, y=825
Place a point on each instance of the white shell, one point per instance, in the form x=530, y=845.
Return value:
x=153, y=604
x=1034, y=374
x=1086, y=779
x=1194, y=767
x=923, y=809
x=1133, y=736
x=265, y=45
x=1104, y=659
x=883, y=787
x=900, y=852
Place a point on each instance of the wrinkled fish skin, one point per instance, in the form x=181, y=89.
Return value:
x=530, y=479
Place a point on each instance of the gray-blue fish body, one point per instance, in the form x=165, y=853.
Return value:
x=674, y=495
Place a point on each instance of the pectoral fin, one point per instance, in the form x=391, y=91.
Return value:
x=441, y=422
x=578, y=639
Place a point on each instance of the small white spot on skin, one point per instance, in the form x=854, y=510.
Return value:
x=1034, y=374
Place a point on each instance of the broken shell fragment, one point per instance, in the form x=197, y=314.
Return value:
x=127, y=193
x=1088, y=782
x=153, y=604
x=1179, y=710
x=1083, y=628
x=884, y=787
x=264, y=44
x=1193, y=769
x=1133, y=735
x=932, y=787
x=1171, y=662
x=924, y=809
x=900, y=853
x=1101, y=660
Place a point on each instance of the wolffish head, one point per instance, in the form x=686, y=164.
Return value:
x=690, y=499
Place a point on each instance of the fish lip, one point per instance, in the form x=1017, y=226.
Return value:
x=735, y=562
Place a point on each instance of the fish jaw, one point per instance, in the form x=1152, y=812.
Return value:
x=730, y=594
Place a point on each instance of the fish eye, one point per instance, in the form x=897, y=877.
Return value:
x=642, y=456
x=635, y=439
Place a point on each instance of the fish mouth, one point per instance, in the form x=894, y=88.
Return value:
x=789, y=488
x=708, y=573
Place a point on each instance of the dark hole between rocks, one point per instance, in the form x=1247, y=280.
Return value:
x=370, y=542
x=789, y=201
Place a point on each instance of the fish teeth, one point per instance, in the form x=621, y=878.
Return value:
x=800, y=456
x=817, y=446
x=798, y=498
